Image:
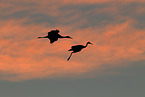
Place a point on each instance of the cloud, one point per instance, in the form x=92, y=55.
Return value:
x=111, y=28
x=25, y=58
x=54, y=13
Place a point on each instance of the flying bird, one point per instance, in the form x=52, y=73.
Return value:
x=53, y=36
x=77, y=48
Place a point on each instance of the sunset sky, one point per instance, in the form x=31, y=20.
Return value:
x=114, y=66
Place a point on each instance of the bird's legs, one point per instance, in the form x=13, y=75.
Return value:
x=70, y=56
x=43, y=37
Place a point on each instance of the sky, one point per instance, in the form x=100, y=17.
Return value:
x=114, y=66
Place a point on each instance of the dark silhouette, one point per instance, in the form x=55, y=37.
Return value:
x=53, y=36
x=77, y=48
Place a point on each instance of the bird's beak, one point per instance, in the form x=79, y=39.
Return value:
x=91, y=43
x=71, y=38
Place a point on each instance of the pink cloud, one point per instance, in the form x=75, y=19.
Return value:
x=25, y=57
x=31, y=58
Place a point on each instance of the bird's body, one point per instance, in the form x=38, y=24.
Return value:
x=77, y=48
x=53, y=36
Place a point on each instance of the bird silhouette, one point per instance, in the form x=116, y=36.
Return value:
x=77, y=48
x=53, y=36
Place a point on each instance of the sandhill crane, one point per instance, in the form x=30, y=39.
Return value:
x=77, y=48
x=53, y=36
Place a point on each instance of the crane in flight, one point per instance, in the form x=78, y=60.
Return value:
x=77, y=48
x=53, y=36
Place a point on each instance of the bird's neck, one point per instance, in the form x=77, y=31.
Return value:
x=86, y=44
x=63, y=37
x=44, y=37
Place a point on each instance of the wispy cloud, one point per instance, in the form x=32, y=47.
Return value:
x=117, y=32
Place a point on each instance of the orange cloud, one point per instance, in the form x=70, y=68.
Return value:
x=52, y=7
x=98, y=1
x=25, y=58
x=88, y=1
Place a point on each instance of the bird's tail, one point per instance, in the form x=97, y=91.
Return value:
x=70, y=50
x=69, y=56
x=39, y=37
x=43, y=37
